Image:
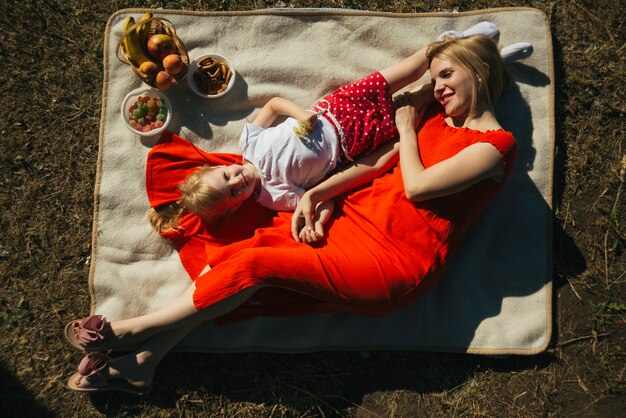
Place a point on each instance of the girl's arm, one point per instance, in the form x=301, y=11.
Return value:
x=278, y=106
x=360, y=172
x=473, y=164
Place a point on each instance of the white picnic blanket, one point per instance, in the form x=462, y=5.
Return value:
x=496, y=297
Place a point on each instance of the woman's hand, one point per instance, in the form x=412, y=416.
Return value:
x=307, y=222
x=408, y=118
x=302, y=215
x=315, y=232
x=469, y=166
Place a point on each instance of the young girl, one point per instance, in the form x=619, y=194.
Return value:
x=281, y=162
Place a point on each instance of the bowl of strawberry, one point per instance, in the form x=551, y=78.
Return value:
x=146, y=111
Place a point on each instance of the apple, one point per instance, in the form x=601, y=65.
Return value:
x=160, y=46
x=173, y=64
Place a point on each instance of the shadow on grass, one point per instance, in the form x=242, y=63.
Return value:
x=330, y=382
x=568, y=260
x=16, y=400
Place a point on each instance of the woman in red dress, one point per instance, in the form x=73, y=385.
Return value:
x=386, y=244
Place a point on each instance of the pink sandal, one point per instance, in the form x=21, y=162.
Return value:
x=89, y=334
x=91, y=369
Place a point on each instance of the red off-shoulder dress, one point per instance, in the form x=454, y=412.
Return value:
x=381, y=251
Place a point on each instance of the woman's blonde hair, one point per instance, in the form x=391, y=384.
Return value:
x=196, y=197
x=480, y=56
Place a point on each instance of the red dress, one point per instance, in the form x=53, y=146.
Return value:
x=381, y=251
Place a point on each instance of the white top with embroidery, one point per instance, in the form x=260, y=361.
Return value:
x=287, y=164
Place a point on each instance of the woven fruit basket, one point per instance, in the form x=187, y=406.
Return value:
x=154, y=51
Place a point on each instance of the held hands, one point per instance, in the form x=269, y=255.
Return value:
x=411, y=106
x=307, y=222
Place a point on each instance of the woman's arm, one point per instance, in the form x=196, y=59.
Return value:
x=278, y=106
x=473, y=164
x=360, y=172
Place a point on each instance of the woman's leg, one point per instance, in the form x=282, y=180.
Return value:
x=180, y=313
x=155, y=334
x=137, y=368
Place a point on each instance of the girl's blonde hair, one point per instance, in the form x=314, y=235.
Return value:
x=479, y=55
x=196, y=197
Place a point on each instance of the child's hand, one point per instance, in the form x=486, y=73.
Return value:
x=307, y=118
x=401, y=100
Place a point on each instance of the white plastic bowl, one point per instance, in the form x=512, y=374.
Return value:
x=192, y=69
x=132, y=98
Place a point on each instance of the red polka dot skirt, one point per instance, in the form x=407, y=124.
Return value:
x=364, y=112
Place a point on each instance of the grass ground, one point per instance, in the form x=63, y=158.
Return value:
x=50, y=84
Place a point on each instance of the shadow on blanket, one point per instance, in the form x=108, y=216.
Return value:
x=528, y=203
x=234, y=106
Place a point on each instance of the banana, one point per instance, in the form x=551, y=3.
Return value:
x=132, y=47
x=143, y=31
x=130, y=21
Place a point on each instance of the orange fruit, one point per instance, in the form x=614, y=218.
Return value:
x=164, y=80
x=173, y=64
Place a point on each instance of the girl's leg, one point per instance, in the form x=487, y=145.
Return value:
x=407, y=71
x=414, y=67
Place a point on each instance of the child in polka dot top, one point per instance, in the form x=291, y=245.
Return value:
x=296, y=154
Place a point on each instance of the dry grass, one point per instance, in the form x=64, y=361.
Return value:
x=50, y=84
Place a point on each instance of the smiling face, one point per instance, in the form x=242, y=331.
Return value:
x=469, y=75
x=234, y=182
x=454, y=86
